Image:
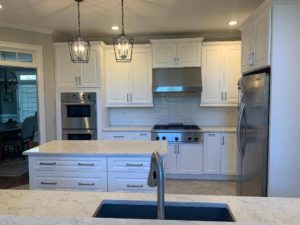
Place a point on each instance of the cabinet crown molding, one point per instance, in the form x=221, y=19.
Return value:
x=176, y=40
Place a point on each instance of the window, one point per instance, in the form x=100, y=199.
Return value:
x=27, y=100
x=16, y=56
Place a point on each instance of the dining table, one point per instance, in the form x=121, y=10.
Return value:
x=6, y=132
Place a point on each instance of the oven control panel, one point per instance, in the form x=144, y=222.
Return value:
x=187, y=137
x=73, y=97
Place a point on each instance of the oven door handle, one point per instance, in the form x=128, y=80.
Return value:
x=78, y=132
x=78, y=103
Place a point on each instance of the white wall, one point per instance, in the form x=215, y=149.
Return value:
x=27, y=37
x=173, y=108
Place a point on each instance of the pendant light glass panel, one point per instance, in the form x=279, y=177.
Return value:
x=79, y=47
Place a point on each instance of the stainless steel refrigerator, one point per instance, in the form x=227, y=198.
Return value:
x=252, y=134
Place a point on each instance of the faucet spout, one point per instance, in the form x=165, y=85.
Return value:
x=156, y=178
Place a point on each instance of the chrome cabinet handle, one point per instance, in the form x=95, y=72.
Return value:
x=86, y=184
x=48, y=183
x=222, y=96
x=249, y=59
x=79, y=78
x=134, y=186
x=223, y=140
x=76, y=81
x=178, y=151
x=253, y=59
x=118, y=136
x=134, y=165
x=225, y=96
x=127, y=97
x=212, y=135
x=48, y=164
x=175, y=149
x=143, y=134
x=86, y=164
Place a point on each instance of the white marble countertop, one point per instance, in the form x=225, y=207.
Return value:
x=148, y=129
x=99, y=148
x=83, y=205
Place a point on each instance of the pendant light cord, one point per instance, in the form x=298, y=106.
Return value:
x=123, y=29
x=78, y=17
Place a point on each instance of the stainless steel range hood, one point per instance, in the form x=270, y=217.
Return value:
x=177, y=80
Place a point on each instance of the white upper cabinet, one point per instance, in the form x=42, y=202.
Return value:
x=256, y=40
x=69, y=74
x=221, y=69
x=129, y=84
x=175, y=53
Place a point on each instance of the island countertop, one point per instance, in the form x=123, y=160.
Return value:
x=99, y=148
x=78, y=205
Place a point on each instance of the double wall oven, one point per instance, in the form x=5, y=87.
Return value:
x=79, y=116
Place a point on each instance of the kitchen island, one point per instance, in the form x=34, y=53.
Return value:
x=93, y=165
x=36, y=207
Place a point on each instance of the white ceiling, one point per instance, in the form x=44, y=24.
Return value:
x=141, y=16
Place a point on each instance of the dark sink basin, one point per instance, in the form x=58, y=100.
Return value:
x=173, y=211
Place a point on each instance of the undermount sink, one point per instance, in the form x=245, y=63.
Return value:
x=173, y=211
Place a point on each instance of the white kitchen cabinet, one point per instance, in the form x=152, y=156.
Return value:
x=129, y=84
x=126, y=136
x=221, y=69
x=256, y=39
x=184, y=159
x=220, y=153
x=229, y=154
x=69, y=74
x=176, y=53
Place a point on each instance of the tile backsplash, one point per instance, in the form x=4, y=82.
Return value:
x=173, y=108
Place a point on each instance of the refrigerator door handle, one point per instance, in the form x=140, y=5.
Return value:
x=240, y=114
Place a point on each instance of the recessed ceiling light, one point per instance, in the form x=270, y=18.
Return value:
x=1, y=7
x=232, y=23
x=115, y=28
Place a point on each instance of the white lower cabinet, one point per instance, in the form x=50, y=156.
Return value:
x=113, y=174
x=220, y=153
x=184, y=159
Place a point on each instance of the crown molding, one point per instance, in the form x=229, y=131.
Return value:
x=24, y=27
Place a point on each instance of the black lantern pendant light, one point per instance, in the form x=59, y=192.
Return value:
x=123, y=44
x=80, y=47
x=8, y=81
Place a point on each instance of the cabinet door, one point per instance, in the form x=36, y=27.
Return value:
x=212, y=62
x=229, y=154
x=189, y=54
x=90, y=72
x=141, y=77
x=164, y=55
x=171, y=159
x=232, y=72
x=189, y=159
x=247, y=47
x=211, y=153
x=66, y=71
x=117, y=80
x=262, y=39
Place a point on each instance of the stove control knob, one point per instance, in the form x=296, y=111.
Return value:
x=176, y=139
x=189, y=138
x=196, y=139
x=157, y=138
x=164, y=138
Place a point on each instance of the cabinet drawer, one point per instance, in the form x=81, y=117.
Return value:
x=124, y=136
x=128, y=182
x=133, y=164
x=99, y=183
x=71, y=164
x=143, y=136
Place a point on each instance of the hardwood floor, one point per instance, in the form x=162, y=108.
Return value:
x=10, y=182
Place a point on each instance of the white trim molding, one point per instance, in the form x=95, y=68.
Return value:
x=37, y=63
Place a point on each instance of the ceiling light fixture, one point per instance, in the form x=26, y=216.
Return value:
x=1, y=6
x=115, y=28
x=123, y=44
x=232, y=23
x=79, y=47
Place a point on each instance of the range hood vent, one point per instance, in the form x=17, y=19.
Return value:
x=177, y=80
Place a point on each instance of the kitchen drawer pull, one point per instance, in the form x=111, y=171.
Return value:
x=48, y=183
x=134, y=186
x=143, y=134
x=212, y=135
x=119, y=136
x=47, y=164
x=86, y=184
x=86, y=164
x=134, y=165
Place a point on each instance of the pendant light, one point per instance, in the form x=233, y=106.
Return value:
x=80, y=47
x=123, y=44
x=8, y=81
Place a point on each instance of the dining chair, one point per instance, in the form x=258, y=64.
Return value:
x=20, y=141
